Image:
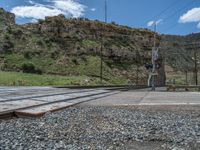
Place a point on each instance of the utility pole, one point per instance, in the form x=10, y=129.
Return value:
x=153, y=59
x=195, y=67
x=101, y=65
x=186, y=77
x=106, y=11
x=102, y=43
x=137, y=76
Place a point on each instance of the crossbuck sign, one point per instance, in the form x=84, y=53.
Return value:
x=155, y=54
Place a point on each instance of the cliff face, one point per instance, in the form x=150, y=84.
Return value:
x=179, y=51
x=6, y=18
x=73, y=47
x=119, y=42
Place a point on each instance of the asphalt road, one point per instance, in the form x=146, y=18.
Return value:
x=45, y=98
x=147, y=97
x=13, y=98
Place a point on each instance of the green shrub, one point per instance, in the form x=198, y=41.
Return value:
x=40, y=42
x=54, y=54
x=8, y=46
x=75, y=61
x=27, y=54
x=17, y=33
x=30, y=68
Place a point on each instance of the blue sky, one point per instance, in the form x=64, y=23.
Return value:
x=182, y=17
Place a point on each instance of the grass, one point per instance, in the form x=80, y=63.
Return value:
x=180, y=78
x=74, y=66
x=75, y=71
x=24, y=79
x=58, y=63
x=90, y=43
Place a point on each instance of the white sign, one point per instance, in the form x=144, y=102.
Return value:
x=155, y=54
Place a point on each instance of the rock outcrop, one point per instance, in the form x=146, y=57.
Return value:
x=6, y=18
x=125, y=50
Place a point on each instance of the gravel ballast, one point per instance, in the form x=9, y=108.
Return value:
x=86, y=127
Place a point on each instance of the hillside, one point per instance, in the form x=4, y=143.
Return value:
x=179, y=52
x=71, y=47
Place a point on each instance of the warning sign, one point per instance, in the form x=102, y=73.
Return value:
x=155, y=54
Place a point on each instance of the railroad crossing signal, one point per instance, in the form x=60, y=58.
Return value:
x=155, y=54
x=150, y=66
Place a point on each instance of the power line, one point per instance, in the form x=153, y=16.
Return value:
x=169, y=17
x=173, y=14
x=182, y=8
x=171, y=27
x=165, y=10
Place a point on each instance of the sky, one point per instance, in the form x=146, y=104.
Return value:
x=170, y=16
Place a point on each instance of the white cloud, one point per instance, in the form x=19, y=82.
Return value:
x=160, y=21
x=198, y=25
x=93, y=9
x=36, y=11
x=70, y=6
x=34, y=21
x=31, y=2
x=192, y=15
x=151, y=23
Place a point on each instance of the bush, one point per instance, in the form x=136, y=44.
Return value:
x=75, y=61
x=30, y=68
x=54, y=54
x=8, y=47
x=17, y=33
x=27, y=54
x=40, y=42
x=40, y=21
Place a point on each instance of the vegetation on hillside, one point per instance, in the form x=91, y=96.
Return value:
x=26, y=79
x=57, y=46
x=179, y=51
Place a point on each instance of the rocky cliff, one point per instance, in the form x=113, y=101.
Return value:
x=6, y=18
x=179, y=51
x=63, y=46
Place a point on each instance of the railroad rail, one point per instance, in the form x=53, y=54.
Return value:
x=186, y=87
x=37, y=104
x=109, y=87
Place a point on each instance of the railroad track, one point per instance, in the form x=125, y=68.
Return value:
x=40, y=96
x=108, y=87
x=36, y=105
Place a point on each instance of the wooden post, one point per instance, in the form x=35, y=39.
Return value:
x=195, y=65
x=137, y=77
x=174, y=81
x=186, y=77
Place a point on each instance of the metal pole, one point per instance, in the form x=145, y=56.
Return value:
x=106, y=11
x=153, y=61
x=186, y=77
x=101, y=65
x=102, y=43
x=137, y=77
x=195, y=66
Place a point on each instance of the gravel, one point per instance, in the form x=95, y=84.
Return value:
x=86, y=127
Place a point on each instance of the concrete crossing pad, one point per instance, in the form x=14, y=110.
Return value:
x=41, y=110
x=37, y=101
x=146, y=97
